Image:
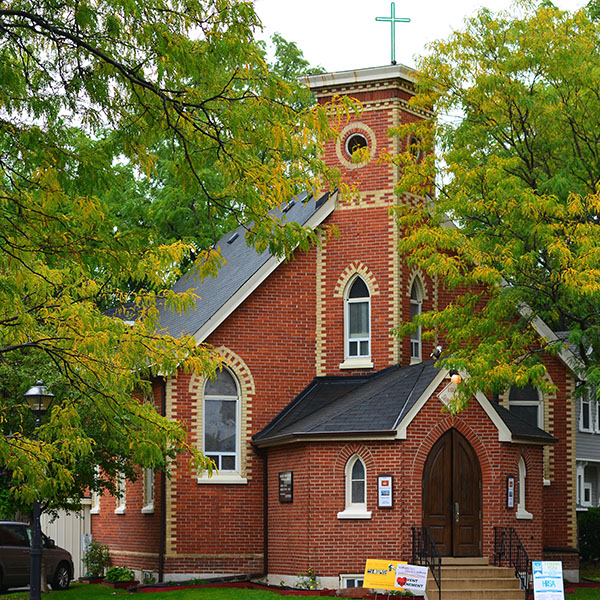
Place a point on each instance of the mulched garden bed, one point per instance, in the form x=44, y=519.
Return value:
x=284, y=591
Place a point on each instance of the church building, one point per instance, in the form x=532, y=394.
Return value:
x=330, y=435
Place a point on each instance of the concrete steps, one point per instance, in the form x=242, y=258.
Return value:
x=475, y=579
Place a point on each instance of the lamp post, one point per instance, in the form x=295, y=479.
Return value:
x=39, y=399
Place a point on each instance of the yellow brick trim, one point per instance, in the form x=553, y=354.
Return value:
x=358, y=127
x=242, y=373
x=131, y=553
x=571, y=463
x=320, y=358
x=416, y=273
x=379, y=199
x=356, y=268
x=394, y=296
x=548, y=424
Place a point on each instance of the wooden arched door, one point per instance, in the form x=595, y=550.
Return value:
x=452, y=496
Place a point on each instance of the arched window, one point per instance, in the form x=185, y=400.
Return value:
x=221, y=421
x=358, y=320
x=525, y=403
x=416, y=302
x=356, y=490
x=521, y=511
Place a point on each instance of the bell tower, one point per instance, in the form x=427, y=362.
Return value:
x=384, y=93
x=368, y=241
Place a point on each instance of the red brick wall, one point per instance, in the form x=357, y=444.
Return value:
x=133, y=537
x=273, y=331
x=307, y=533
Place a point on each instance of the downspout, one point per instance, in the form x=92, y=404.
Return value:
x=162, y=541
x=265, y=511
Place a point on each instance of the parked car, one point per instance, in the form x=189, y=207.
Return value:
x=15, y=546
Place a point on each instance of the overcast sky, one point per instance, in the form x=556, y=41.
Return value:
x=342, y=35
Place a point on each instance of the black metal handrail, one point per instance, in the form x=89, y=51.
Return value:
x=425, y=552
x=509, y=551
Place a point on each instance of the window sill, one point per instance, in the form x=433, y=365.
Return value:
x=222, y=479
x=523, y=514
x=120, y=510
x=357, y=363
x=415, y=361
x=148, y=509
x=354, y=514
x=95, y=510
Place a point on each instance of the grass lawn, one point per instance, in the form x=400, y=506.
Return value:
x=79, y=591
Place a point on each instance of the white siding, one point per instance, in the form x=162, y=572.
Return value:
x=68, y=531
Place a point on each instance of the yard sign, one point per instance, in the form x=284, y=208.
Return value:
x=394, y=575
x=547, y=580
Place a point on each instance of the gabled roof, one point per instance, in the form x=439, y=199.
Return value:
x=244, y=269
x=520, y=429
x=380, y=405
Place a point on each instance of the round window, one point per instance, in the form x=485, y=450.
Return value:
x=354, y=142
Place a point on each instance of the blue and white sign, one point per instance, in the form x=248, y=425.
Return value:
x=547, y=580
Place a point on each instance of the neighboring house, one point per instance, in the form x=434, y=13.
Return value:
x=329, y=433
x=587, y=419
x=70, y=530
x=587, y=444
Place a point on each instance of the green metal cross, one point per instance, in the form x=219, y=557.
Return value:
x=393, y=20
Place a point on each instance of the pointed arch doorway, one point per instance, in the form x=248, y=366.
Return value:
x=452, y=496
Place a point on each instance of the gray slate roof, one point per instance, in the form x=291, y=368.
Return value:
x=520, y=429
x=352, y=404
x=241, y=263
x=372, y=404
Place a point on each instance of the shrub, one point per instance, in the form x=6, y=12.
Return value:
x=115, y=574
x=308, y=580
x=589, y=534
x=96, y=559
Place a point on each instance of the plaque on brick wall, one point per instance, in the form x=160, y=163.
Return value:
x=286, y=486
x=510, y=492
x=384, y=491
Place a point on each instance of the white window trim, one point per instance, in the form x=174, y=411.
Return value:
x=226, y=476
x=587, y=487
x=522, y=513
x=148, y=507
x=539, y=403
x=347, y=301
x=584, y=401
x=121, y=499
x=346, y=577
x=580, y=480
x=357, y=363
x=597, y=411
x=95, y=495
x=95, y=509
x=356, y=510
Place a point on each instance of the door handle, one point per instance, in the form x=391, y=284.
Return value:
x=456, y=512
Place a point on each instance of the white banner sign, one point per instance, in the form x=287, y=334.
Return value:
x=547, y=580
x=411, y=577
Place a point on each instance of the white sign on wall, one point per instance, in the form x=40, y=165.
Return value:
x=548, y=580
x=384, y=491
